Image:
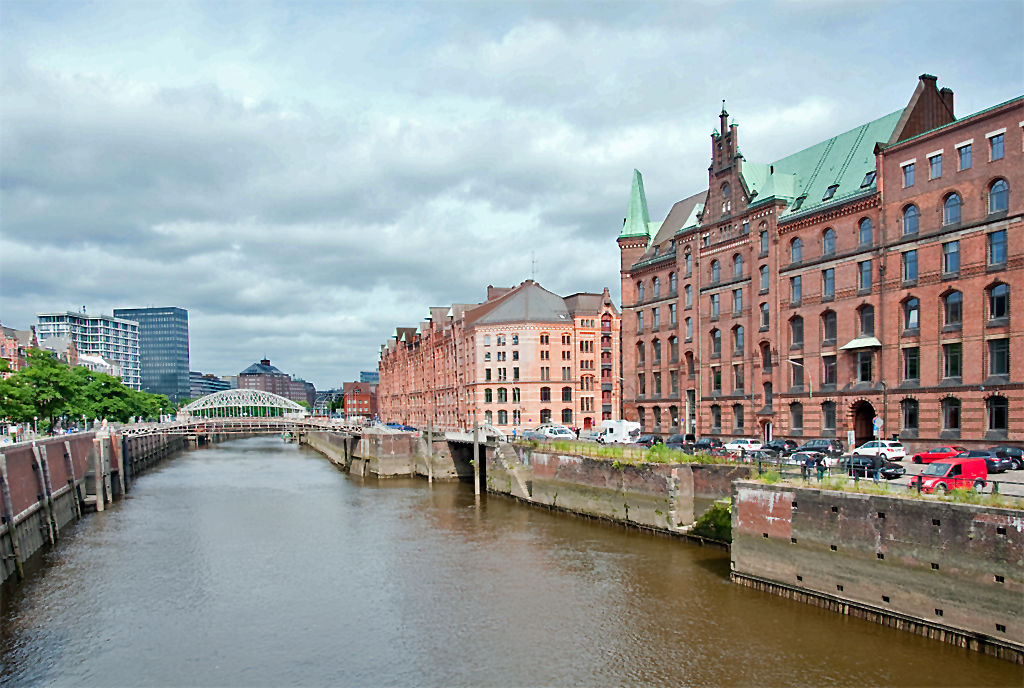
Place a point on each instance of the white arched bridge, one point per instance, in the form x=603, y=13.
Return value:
x=242, y=403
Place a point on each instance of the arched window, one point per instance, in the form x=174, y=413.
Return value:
x=545, y=394
x=828, y=242
x=828, y=416
x=764, y=277
x=672, y=282
x=911, y=220
x=488, y=417
x=567, y=394
x=657, y=287
x=796, y=331
x=796, y=250
x=796, y=417
x=689, y=329
x=999, y=301
x=641, y=417
x=999, y=197
x=656, y=350
x=766, y=356
x=911, y=314
x=639, y=291
x=953, y=305
x=716, y=343
x=673, y=414
x=764, y=240
x=545, y=415
x=515, y=395
x=998, y=414
x=691, y=368
x=737, y=266
x=909, y=409
x=828, y=326
x=768, y=396
x=488, y=395
x=951, y=209
x=737, y=417
x=515, y=340
x=502, y=395
x=716, y=271
x=764, y=315
x=738, y=343
x=641, y=353
x=688, y=263
x=656, y=416
x=950, y=413
x=673, y=349
x=867, y=321
x=716, y=418
x=502, y=417
x=867, y=232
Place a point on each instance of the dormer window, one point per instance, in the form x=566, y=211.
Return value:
x=657, y=250
x=798, y=202
x=830, y=192
x=725, y=190
x=869, y=179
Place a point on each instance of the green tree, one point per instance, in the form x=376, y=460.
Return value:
x=50, y=385
x=13, y=396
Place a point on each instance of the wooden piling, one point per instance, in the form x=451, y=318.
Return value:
x=12, y=530
x=72, y=480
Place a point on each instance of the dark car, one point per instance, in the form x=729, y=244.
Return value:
x=996, y=462
x=827, y=446
x=862, y=466
x=707, y=444
x=781, y=447
x=683, y=442
x=649, y=440
x=1016, y=454
x=764, y=455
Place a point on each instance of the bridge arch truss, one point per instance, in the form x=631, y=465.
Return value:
x=242, y=403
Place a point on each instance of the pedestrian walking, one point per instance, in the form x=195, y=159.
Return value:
x=819, y=462
x=806, y=465
x=876, y=464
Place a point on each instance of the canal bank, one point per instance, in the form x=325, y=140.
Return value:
x=258, y=563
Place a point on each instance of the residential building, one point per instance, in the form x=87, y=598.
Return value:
x=63, y=347
x=522, y=357
x=865, y=277
x=114, y=339
x=14, y=346
x=360, y=399
x=200, y=385
x=163, y=350
x=268, y=378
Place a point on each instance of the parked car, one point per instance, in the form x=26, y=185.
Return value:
x=766, y=456
x=1016, y=454
x=862, y=466
x=893, y=451
x=995, y=462
x=744, y=444
x=947, y=451
x=781, y=447
x=950, y=474
x=683, y=442
x=827, y=446
x=649, y=440
x=549, y=431
x=707, y=444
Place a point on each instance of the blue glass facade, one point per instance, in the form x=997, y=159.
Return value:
x=163, y=349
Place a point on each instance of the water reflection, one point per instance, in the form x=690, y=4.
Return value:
x=257, y=563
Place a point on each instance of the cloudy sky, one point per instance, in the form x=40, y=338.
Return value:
x=303, y=178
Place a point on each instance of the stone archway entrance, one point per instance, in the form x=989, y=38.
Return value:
x=863, y=416
x=766, y=432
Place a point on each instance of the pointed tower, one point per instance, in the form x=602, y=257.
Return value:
x=635, y=235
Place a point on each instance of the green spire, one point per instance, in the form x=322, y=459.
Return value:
x=638, y=219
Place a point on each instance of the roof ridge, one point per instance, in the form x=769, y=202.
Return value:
x=853, y=149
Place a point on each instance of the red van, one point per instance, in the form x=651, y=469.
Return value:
x=951, y=474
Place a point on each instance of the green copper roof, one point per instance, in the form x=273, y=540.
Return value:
x=843, y=161
x=638, y=220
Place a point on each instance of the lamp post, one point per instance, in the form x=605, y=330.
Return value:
x=36, y=426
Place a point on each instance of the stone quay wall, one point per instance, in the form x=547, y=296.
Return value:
x=953, y=572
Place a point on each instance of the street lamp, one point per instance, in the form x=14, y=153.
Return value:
x=36, y=421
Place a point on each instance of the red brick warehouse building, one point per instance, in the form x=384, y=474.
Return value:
x=869, y=275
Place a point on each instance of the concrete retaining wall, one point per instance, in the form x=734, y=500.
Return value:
x=954, y=572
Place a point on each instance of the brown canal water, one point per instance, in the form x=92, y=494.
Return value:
x=255, y=563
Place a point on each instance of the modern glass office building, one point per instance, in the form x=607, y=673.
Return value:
x=163, y=349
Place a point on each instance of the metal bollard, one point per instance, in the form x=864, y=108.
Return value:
x=995, y=487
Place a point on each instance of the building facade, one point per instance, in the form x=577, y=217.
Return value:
x=163, y=350
x=524, y=356
x=14, y=346
x=114, y=339
x=268, y=378
x=360, y=399
x=860, y=285
x=200, y=385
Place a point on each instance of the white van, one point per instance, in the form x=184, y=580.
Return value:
x=618, y=432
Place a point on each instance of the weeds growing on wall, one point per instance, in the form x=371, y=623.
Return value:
x=716, y=524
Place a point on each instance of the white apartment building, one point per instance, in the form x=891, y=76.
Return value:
x=114, y=339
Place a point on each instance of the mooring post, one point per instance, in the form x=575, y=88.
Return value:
x=430, y=452
x=44, y=463
x=98, y=469
x=72, y=480
x=476, y=457
x=12, y=530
